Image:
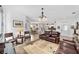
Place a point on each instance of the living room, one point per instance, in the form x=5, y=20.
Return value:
x=39, y=29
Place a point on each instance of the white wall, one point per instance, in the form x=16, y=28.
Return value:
x=9, y=17
x=60, y=14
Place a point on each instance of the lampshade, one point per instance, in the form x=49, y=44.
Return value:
x=44, y=18
x=20, y=29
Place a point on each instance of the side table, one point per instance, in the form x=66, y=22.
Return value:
x=34, y=37
x=19, y=39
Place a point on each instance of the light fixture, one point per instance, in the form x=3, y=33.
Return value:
x=42, y=17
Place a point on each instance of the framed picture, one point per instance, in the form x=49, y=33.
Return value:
x=17, y=23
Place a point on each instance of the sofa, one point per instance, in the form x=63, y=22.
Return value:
x=54, y=37
x=68, y=47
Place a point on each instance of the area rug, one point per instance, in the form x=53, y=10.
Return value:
x=41, y=47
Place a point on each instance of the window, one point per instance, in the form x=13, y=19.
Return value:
x=1, y=24
x=65, y=27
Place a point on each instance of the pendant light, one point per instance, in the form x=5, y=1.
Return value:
x=42, y=18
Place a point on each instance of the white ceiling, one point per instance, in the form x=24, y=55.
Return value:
x=34, y=11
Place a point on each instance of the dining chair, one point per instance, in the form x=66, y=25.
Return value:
x=26, y=35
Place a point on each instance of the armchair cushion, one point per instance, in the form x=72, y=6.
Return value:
x=68, y=45
x=27, y=35
x=69, y=50
x=68, y=40
x=9, y=38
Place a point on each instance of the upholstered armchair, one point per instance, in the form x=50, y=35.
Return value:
x=67, y=47
x=9, y=38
